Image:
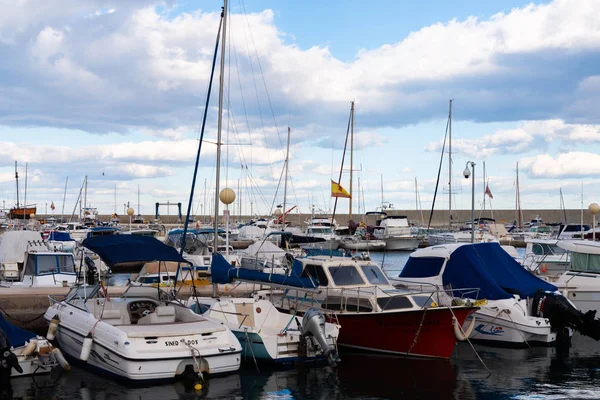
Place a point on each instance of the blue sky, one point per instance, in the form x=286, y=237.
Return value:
x=115, y=90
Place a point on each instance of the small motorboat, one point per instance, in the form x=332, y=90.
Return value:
x=266, y=334
x=25, y=352
x=143, y=334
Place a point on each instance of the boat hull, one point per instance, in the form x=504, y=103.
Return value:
x=21, y=212
x=401, y=243
x=419, y=333
x=363, y=245
x=502, y=331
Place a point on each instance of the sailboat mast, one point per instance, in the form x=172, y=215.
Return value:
x=381, y=179
x=450, y=167
x=25, y=199
x=138, y=200
x=220, y=126
x=484, y=185
x=519, y=213
x=17, y=178
x=287, y=163
x=62, y=213
x=351, y=156
x=85, y=199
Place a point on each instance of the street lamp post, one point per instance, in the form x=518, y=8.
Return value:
x=594, y=209
x=467, y=174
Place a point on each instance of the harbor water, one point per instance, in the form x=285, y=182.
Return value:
x=530, y=373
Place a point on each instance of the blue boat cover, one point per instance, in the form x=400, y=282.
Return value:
x=223, y=272
x=119, y=249
x=59, y=236
x=16, y=335
x=310, y=252
x=483, y=265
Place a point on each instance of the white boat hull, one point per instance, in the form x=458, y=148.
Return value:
x=491, y=327
x=145, y=352
x=401, y=243
x=363, y=245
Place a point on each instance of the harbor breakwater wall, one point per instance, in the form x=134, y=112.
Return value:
x=439, y=218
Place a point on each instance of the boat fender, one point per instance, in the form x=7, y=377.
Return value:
x=458, y=332
x=58, y=355
x=30, y=347
x=86, y=348
x=52, y=328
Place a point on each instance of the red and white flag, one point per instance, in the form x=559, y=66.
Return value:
x=488, y=192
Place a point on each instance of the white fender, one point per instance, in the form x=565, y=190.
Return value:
x=86, y=348
x=52, y=328
x=61, y=359
x=458, y=332
x=30, y=347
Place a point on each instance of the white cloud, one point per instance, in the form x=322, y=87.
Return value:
x=567, y=165
x=528, y=136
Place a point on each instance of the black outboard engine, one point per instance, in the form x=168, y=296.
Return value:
x=562, y=315
x=8, y=360
x=90, y=270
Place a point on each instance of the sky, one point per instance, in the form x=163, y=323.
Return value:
x=116, y=91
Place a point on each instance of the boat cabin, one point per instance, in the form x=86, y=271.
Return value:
x=352, y=285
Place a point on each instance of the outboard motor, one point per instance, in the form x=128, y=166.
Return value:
x=90, y=270
x=562, y=315
x=313, y=324
x=8, y=360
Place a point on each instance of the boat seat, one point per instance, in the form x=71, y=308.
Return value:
x=112, y=317
x=161, y=315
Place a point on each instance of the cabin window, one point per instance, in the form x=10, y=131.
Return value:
x=334, y=303
x=346, y=275
x=66, y=264
x=585, y=262
x=394, y=303
x=374, y=275
x=423, y=301
x=315, y=272
x=46, y=264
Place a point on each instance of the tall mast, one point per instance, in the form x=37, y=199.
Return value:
x=17, y=178
x=287, y=163
x=62, y=213
x=450, y=168
x=519, y=213
x=85, y=198
x=484, y=186
x=25, y=199
x=220, y=126
x=138, y=213
x=239, y=201
x=381, y=180
x=351, y=155
x=204, y=208
x=416, y=196
x=359, y=197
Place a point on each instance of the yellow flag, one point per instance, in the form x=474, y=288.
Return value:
x=338, y=191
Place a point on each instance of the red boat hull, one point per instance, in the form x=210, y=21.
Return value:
x=395, y=332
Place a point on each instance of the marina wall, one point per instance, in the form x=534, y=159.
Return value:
x=440, y=217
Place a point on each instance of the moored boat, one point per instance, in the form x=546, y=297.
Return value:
x=143, y=334
x=355, y=293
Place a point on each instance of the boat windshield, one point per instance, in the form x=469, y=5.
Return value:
x=374, y=275
x=66, y=263
x=542, y=249
x=319, y=231
x=346, y=275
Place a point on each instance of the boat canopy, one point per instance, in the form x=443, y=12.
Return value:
x=121, y=249
x=223, y=273
x=16, y=336
x=483, y=265
x=60, y=236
